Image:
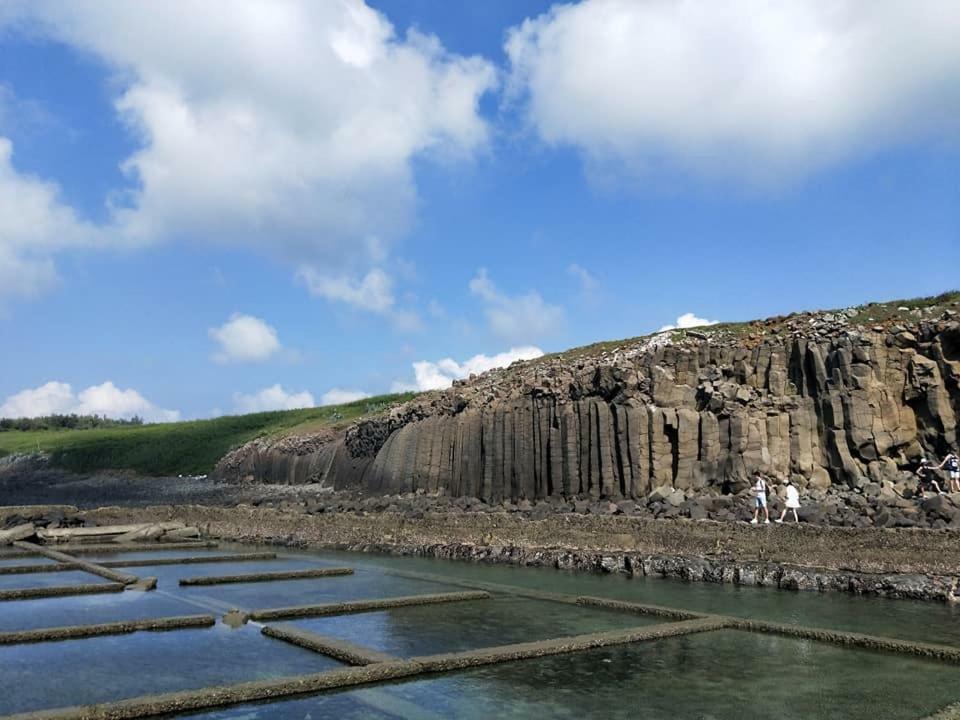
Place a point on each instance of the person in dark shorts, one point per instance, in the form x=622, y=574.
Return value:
x=926, y=478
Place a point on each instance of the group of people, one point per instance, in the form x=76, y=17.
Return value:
x=761, y=488
x=926, y=482
x=927, y=474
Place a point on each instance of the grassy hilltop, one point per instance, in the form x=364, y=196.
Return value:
x=192, y=447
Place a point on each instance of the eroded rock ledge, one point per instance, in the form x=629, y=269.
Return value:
x=903, y=563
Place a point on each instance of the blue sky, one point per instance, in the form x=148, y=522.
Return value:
x=199, y=204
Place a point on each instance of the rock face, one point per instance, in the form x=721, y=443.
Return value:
x=826, y=399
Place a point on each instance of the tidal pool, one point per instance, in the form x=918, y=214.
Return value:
x=452, y=627
x=719, y=674
x=723, y=675
x=78, y=672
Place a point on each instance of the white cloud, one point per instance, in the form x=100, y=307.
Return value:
x=759, y=91
x=515, y=317
x=374, y=292
x=588, y=283
x=105, y=399
x=688, y=320
x=244, y=338
x=338, y=396
x=441, y=374
x=34, y=225
x=291, y=127
x=272, y=398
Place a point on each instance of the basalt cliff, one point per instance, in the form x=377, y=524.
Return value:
x=847, y=398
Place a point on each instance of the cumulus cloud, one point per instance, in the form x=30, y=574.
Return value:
x=34, y=224
x=58, y=398
x=244, y=338
x=291, y=126
x=688, y=320
x=759, y=91
x=441, y=374
x=515, y=317
x=339, y=396
x=374, y=292
x=272, y=398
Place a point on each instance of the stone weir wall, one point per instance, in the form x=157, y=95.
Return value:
x=919, y=564
x=813, y=397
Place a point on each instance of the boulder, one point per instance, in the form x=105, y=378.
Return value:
x=19, y=532
x=819, y=479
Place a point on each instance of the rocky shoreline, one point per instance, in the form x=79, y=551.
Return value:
x=908, y=563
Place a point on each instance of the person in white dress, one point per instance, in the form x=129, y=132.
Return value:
x=793, y=502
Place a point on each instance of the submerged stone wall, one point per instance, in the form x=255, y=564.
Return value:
x=814, y=397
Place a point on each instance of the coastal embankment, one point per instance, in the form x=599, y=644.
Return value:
x=898, y=562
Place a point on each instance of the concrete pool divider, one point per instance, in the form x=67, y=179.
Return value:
x=359, y=606
x=943, y=653
x=73, y=632
x=284, y=688
x=88, y=567
x=481, y=585
x=335, y=648
x=105, y=548
x=192, y=560
x=268, y=576
x=639, y=608
x=37, y=593
x=445, y=662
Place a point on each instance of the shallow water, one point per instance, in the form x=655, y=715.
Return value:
x=909, y=619
x=77, y=672
x=32, y=580
x=723, y=674
x=451, y=627
x=25, y=560
x=90, y=610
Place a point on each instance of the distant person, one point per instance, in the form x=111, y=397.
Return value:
x=926, y=478
x=793, y=502
x=952, y=463
x=760, y=488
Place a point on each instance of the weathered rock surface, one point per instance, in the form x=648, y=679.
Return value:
x=831, y=400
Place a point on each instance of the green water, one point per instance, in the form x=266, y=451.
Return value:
x=914, y=620
x=717, y=676
x=722, y=674
x=429, y=629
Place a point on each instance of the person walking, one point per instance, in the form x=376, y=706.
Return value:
x=793, y=502
x=760, y=488
x=926, y=478
x=952, y=463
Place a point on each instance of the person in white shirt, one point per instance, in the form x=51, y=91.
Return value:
x=952, y=463
x=760, y=499
x=793, y=502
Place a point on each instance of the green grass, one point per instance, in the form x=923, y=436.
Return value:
x=871, y=313
x=888, y=312
x=191, y=447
